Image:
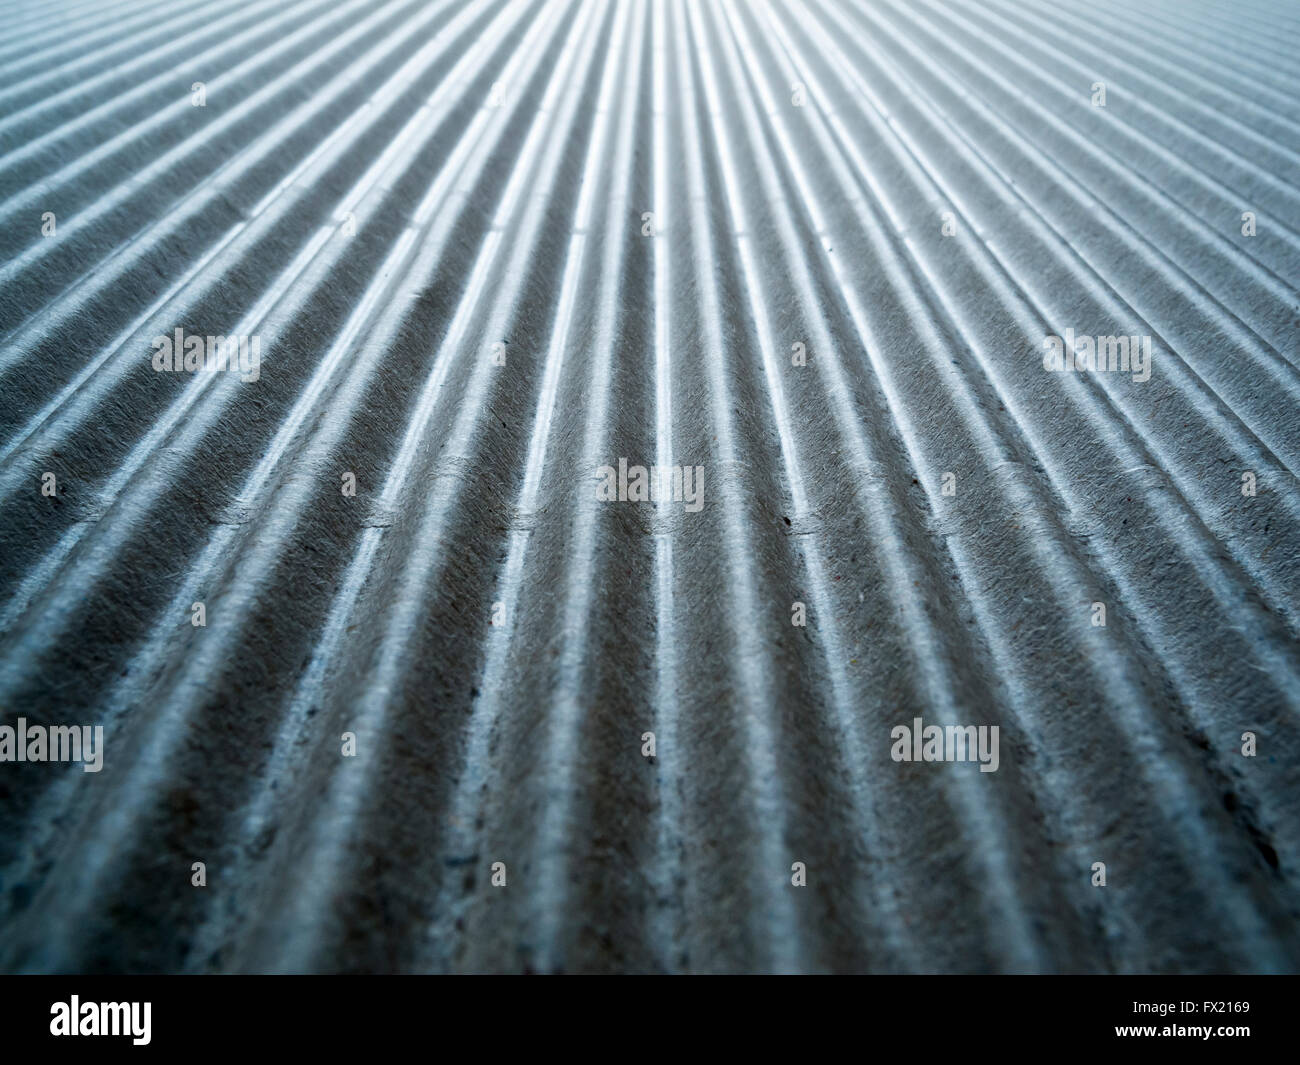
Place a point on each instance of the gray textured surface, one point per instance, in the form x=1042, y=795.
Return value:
x=497, y=159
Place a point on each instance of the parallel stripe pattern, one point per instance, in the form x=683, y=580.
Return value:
x=366, y=639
